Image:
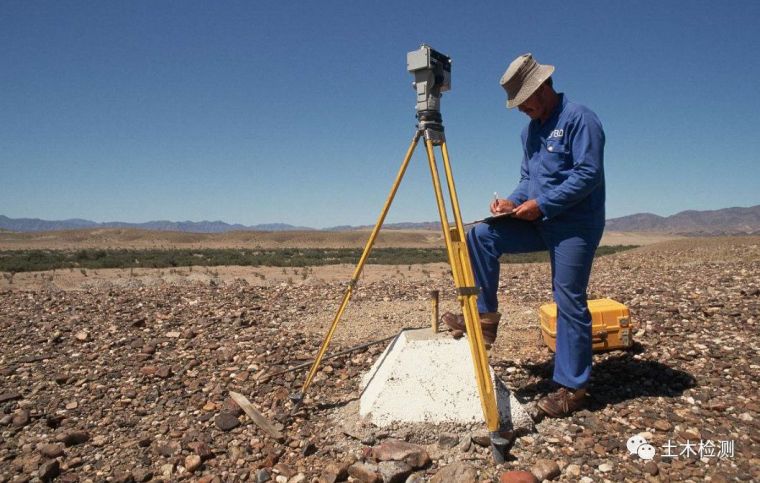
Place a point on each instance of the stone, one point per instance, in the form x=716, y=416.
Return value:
x=49, y=470
x=298, y=478
x=334, y=472
x=192, y=462
x=395, y=450
x=365, y=472
x=263, y=475
x=394, y=471
x=662, y=425
x=20, y=418
x=9, y=396
x=82, y=336
x=605, y=467
x=447, y=440
x=226, y=421
x=164, y=372
x=481, y=438
x=308, y=449
x=460, y=472
x=518, y=477
x=573, y=471
x=650, y=467
x=201, y=449
x=545, y=469
x=73, y=438
x=51, y=450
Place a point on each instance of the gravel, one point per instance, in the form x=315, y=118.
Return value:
x=131, y=382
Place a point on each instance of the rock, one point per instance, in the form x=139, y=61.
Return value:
x=482, y=439
x=61, y=378
x=82, y=336
x=172, y=334
x=651, y=468
x=662, y=425
x=334, y=472
x=263, y=475
x=226, y=421
x=298, y=478
x=9, y=396
x=545, y=470
x=123, y=477
x=49, y=470
x=201, y=449
x=394, y=471
x=460, y=472
x=148, y=370
x=167, y=470
x=192, y=462
x=573, y=471
x=368, y=473
x=73, y=438
x=395, y=450
x=518, y=477
x=308, y=449
x=447, y=440
x=51, y=450
x=20, y=418
x=605, y=467
x=164, y=372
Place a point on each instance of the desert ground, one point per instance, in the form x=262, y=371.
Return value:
x=137, y=239
x=125, y=375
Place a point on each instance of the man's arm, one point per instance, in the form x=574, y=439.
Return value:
x=587, y=173
x=520, y=194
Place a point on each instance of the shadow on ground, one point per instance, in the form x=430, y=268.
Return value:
x=615, y=379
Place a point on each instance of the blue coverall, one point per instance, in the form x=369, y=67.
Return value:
x=563, y=169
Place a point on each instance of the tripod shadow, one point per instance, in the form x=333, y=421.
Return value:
x=615, y=379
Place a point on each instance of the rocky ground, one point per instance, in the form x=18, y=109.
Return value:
x=130, y=380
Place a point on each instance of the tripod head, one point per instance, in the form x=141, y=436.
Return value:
x=432, y=76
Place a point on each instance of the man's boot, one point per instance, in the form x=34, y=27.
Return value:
x=489, y=324
x=562, y=402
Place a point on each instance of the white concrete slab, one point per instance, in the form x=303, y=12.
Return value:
x=427, y=378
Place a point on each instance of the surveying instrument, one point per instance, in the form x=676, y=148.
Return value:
x=432, y=77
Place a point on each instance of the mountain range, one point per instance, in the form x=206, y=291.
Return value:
x=726, y=221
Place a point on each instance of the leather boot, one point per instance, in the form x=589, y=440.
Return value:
x=562, y=402
x=489, y=324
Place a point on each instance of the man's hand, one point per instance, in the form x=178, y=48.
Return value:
x=528, y=211
x=501, y=206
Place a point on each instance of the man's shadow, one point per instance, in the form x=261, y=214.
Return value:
x=616, y=378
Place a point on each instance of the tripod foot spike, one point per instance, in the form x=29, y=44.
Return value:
x=296, y=398
x=499, y=447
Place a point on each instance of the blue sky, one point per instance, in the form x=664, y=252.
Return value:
x=300, y=112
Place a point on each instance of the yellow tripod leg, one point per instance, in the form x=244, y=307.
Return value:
x=464, y=280
x=358, y=270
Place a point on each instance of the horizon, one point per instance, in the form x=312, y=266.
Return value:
x=300, y=114
x=233, y=223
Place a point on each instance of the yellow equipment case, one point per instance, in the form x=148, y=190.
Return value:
x=610, y=325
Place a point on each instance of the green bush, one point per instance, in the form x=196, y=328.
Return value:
x=37, y=260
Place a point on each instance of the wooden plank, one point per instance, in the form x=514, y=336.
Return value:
x=256, y=416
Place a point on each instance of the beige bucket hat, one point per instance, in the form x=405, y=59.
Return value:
x=523, y=76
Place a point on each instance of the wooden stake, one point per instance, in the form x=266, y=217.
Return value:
x=434, y=306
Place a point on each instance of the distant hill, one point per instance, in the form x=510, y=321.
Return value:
x=35, y=224
x=726, y=221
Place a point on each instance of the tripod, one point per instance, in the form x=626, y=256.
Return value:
x=430, y=127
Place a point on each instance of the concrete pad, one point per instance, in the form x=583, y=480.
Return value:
x=423, y=377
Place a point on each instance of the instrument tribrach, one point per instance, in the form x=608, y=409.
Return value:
x=432, y=76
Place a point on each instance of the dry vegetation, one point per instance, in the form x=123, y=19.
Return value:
x=139, y=239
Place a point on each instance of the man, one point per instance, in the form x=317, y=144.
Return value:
x=558, y=206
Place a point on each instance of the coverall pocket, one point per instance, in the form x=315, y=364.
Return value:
x=555, y=160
